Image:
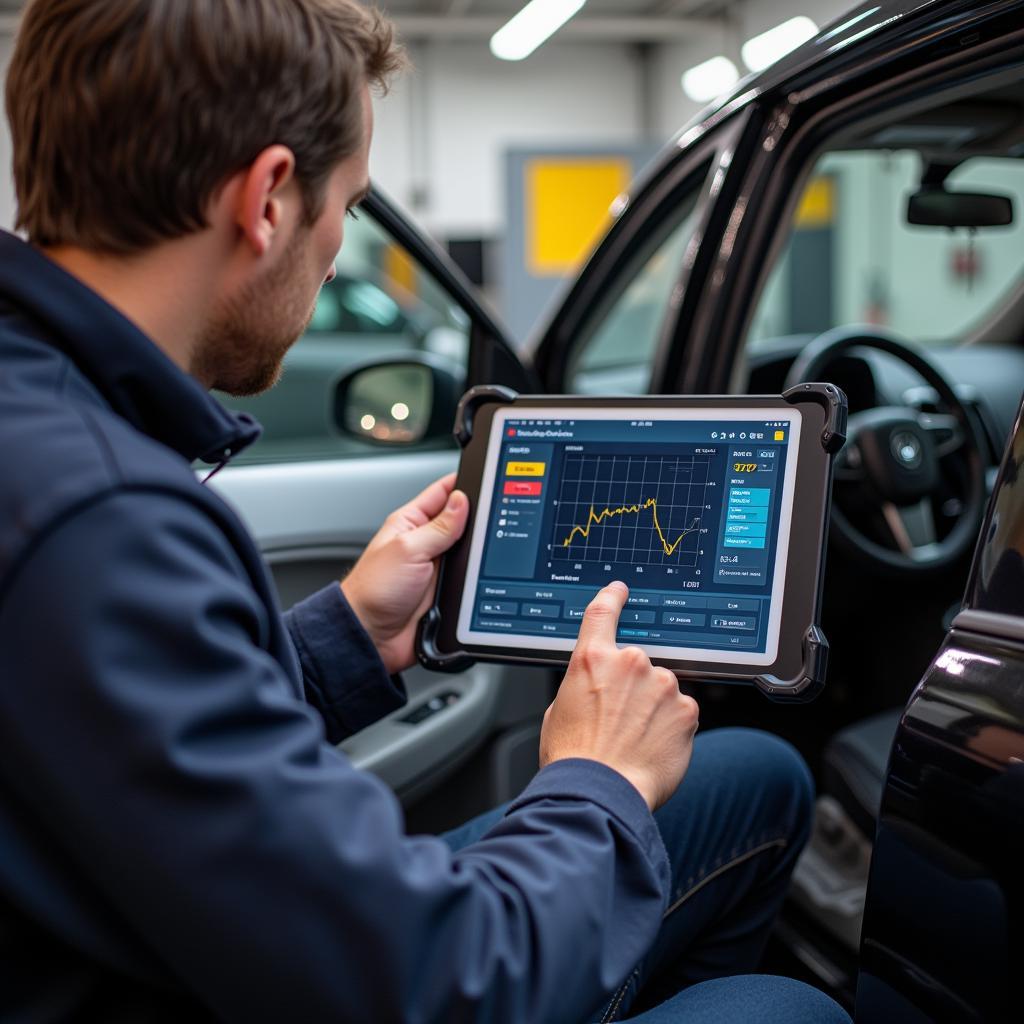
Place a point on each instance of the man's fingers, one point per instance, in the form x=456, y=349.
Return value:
x=434, y=538
x=429, y=502
x=601, y=619
x=428, y=598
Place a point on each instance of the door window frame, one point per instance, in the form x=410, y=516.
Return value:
x=621, y=256
x=798, y=125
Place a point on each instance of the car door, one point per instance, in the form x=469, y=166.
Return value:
x=942, y=918
x=402, y=327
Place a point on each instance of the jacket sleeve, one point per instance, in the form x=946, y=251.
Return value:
x=164, y=749
x=343, y=676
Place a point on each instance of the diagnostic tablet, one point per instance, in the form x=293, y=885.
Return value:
x=712, y=510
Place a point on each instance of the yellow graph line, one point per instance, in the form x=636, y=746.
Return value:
x=595, y=518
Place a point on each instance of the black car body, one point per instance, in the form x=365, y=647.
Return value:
x=942, y=929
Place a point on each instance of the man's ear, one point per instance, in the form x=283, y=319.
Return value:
x=265, y=196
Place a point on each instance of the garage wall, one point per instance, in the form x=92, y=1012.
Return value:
x=475, y=108
x=443, y=133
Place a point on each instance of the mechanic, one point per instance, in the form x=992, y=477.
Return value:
x=181, y=839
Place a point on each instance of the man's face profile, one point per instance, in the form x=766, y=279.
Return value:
x=242, y=348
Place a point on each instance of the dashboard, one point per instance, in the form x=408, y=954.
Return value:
x=989, y=379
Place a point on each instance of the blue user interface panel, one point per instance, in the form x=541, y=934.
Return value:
x=689, y=508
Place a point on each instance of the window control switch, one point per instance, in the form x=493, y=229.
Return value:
x=430, y=707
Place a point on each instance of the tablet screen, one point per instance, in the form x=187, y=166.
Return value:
x=689, y=507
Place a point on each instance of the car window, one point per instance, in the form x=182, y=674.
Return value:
x=381, y=304
x=617, y=345
x=852, y=257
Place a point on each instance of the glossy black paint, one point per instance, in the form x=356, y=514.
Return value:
x=943, y=937
x=996, y=585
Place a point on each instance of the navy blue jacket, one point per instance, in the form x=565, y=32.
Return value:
x=179, y=839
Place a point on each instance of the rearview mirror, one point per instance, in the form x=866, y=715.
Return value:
x=402, y=401
x=939, y=208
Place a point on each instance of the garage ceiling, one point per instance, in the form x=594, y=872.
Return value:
x=621, y=20
x=594, y=8
x=504, y=9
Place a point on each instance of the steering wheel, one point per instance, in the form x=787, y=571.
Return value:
x=893, y=457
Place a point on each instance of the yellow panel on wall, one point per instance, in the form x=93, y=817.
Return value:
x=567, y=204
x=817, y=207
x=399, y=273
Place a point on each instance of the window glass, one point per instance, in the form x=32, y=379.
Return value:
x=617, y=345
x=381, y=304
x=852, y=257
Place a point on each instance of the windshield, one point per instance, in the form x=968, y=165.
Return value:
x=853, y=257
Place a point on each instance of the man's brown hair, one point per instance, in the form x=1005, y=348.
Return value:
x=128, y=115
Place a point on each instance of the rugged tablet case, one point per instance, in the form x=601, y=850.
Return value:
x=803, y=685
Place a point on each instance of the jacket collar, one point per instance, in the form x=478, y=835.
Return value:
x=138, y=380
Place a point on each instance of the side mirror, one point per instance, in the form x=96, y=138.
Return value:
x=939, y=208
x=402, y=401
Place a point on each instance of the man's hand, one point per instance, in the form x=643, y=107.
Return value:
x=615, y=707
x=392, y=584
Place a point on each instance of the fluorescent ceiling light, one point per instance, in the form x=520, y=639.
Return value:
x=710, y=79
x=538, y=20
x=764, y=50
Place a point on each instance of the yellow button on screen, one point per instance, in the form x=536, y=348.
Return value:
x=525, y=469
x=780, y=435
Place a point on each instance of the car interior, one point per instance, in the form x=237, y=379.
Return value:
x=898, y=276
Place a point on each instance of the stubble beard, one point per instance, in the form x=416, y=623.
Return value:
x=242, y=350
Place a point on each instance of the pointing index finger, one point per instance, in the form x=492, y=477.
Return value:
x=601, y=619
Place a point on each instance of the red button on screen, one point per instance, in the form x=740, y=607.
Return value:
x=523, y=487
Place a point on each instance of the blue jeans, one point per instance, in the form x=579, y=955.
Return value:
x=733, y=831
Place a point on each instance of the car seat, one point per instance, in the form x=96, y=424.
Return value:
x=830, y=880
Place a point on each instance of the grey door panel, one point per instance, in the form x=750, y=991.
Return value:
x=411, y=757
x=298, y=505
x=503, y=705
x=312, y=520
x=300, y=571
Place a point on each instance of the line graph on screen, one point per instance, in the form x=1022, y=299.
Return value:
x=639, y=509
